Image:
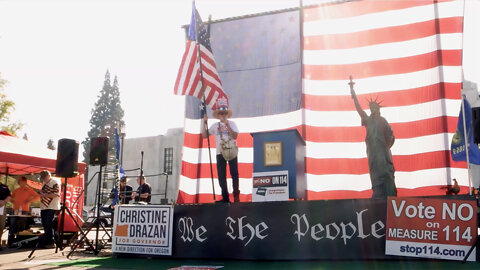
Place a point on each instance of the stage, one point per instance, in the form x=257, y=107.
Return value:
x=288, y=230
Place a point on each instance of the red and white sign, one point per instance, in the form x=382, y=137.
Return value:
x=431, y=228
x=74, y=202
x=270, y=186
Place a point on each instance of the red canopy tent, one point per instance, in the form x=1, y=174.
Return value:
x=20, y=157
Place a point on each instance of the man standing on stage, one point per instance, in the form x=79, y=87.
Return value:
x=144, y=191
x=379, y=140
x=49, y=205
x=225, y=130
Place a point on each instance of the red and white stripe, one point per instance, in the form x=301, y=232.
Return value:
x=406, y=53
x=189, y=80
x=48, y=190
x=409, y=55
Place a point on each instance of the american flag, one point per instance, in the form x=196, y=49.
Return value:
x=408, y=54
x=46, y=188
x=189, y=78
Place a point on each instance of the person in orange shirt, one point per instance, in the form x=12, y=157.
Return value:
x=21, y=199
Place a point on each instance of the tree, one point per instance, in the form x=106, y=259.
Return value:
x=6, y=108
x=25, y=136
x=107, y=114
x=51, y=144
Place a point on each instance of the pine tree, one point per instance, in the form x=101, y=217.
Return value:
x=107, y=114
x=50, y=144
x=117, y=114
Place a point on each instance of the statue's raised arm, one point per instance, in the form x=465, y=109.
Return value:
x=362, y=114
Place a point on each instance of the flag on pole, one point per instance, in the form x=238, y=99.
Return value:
x=118, y=146
x=458, y=149
x=119, y=168
x=189, y=78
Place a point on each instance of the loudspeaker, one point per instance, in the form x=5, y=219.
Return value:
x=476, y=124
x=67, y=158
x=99, y=151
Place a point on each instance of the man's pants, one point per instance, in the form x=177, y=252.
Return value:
x=222, y=175
x=47, y=216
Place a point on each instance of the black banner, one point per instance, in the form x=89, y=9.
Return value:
x=292, y=230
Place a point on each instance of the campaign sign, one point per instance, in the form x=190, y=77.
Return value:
x=431, y=228
x=143, y=229
x=270, y=186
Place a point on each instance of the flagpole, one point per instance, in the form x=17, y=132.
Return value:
x=470, y=184
x=204, y=111
x=304, y=128
x=466, y=146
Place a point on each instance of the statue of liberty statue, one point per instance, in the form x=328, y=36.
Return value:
x=379, y=140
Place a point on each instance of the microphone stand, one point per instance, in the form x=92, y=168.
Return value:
x=141, y=165
x=141, y=178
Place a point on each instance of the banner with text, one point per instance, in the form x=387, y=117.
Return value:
x=285, y=230
x=74, y=202
x=431, y=228
x=270, y=186
x=143, y=229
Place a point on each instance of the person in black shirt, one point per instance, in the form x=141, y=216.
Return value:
x=4, y=198
x=144, y=191
x=124, y=193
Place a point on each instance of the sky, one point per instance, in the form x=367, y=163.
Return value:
x=54, y=55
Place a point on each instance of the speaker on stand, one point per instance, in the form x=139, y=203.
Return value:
x=67, y=158
x=99, y=151
x=98, y=156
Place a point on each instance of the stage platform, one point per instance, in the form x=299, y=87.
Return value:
x=353, y=229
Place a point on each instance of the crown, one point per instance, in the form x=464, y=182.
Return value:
x=375, y=101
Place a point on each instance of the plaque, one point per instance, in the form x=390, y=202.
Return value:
x=272, y=154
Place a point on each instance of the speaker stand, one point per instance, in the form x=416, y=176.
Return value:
x=96, y=221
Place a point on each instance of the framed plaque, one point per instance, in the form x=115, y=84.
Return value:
x=272, y=154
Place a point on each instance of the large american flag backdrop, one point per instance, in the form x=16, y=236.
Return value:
x=289, y=70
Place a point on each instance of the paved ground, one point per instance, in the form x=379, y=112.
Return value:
x=18, y=258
